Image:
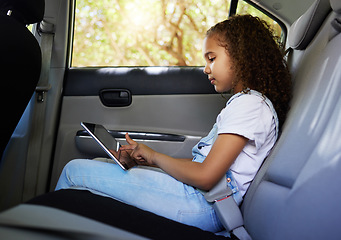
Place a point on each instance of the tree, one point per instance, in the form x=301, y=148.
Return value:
x=143, y=32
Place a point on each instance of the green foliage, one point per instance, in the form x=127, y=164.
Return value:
x=143, y=32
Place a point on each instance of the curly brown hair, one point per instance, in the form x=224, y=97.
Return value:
x=257, y=58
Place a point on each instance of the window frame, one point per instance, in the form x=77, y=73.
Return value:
x=283, y=36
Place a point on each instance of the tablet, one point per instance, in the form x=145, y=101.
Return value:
x=102, y=136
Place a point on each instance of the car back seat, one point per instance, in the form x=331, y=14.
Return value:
x=296, y=194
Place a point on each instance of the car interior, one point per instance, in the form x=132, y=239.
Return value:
x=295, y=194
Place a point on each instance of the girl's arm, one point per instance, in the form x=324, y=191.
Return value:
x=201, y=175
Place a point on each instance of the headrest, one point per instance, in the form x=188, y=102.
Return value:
x=336, y=5
x=25, y=11
x=304, y=29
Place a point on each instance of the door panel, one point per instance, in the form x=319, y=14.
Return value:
x=139, y=80
x=176, y=101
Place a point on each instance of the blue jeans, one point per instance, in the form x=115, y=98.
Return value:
x=144, y=187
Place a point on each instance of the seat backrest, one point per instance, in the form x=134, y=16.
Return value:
x=20, y=61
x=296, y=194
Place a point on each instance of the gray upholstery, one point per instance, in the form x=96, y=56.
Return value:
x=305, y=28
x=296, y=194
x=336, y=6
x=30, y=222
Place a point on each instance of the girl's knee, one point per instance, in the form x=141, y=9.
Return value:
x=74, y=163
x=69, y=169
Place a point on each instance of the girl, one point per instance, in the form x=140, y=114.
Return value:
x=242, y=56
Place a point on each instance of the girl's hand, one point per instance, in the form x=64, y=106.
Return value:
x=140, y=153
x=124, y=158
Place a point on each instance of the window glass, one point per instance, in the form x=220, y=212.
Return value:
x=245, y=8
x=143, y=32
x=30, y=27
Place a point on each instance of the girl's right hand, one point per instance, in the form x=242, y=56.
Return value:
x=141, y=154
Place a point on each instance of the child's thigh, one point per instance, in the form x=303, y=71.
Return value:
x=147, y=188
x=139, y=184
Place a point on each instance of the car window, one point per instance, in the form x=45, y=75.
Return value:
x=245, y=8
x=147, y=32
x=143, y=32
x=30, y=27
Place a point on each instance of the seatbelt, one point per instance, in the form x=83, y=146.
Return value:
x=39, y=108
x=227, y=209
x=287, y=51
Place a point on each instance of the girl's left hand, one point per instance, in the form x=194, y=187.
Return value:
x=124, y=158
x=140, y=153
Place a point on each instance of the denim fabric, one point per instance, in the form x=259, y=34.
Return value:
x=147, y=188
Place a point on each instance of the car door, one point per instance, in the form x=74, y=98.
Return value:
x=167, y=108
x=152, y=85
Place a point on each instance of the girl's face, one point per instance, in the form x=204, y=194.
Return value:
x=219, y=66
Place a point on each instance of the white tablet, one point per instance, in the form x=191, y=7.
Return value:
x=102, y=136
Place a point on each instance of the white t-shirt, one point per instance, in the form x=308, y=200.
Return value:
x=249, y=116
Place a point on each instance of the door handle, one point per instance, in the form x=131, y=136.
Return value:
x=115, y=97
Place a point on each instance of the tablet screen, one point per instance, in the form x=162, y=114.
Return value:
x=101, y=135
